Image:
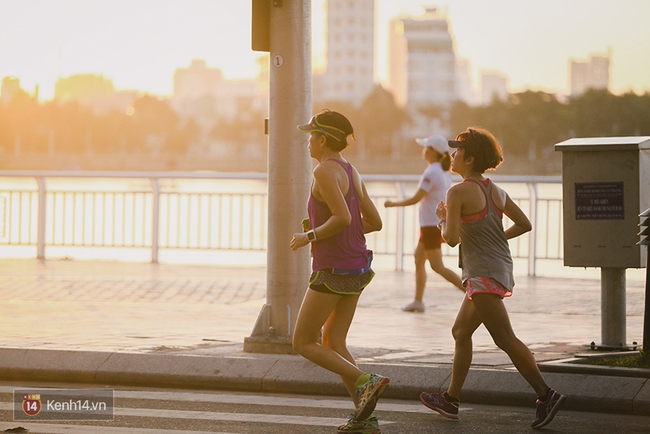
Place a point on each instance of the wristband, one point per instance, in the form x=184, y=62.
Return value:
x=442, y=220
x=311, y=236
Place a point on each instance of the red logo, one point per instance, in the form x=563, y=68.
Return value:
x=32, y=404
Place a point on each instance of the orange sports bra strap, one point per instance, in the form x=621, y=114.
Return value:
x=487, y=191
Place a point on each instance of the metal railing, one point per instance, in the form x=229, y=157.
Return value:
x=222, y=211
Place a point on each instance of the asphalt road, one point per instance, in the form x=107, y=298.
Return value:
x=173, y=411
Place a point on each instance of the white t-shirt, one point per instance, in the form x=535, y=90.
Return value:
x=435, y=181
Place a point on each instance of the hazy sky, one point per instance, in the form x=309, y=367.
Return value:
x=139, y=43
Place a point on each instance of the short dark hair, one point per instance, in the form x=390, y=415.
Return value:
x=339, y=122
x=483, y=146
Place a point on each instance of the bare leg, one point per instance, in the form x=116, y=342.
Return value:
x=467, y=321
x=494, y=315
x=335, y=334
x=316, y=310
x=435, y=259
x=420, y=270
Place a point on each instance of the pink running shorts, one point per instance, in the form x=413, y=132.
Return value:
x=485, y=285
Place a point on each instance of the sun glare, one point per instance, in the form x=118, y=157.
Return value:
x=139, y=45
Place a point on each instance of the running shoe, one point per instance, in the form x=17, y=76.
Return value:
x=438, y=402
x=368, y=426
x=546, y=410
x=368, y=394
x=414, y=306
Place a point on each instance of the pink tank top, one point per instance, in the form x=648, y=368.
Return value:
x=347, y=249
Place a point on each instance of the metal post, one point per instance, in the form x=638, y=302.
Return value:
x=532, y=244
x=42, y=215
x=645, y=241
x=155, y=220
x=399, y=247
x=289, y=175
x=613, y=320
x=646, y=311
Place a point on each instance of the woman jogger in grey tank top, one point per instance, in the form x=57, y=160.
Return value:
x=472, y=216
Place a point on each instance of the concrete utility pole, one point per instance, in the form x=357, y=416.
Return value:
x=289, y=167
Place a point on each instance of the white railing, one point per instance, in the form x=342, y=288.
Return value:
x=221, y=211
x=539, y=197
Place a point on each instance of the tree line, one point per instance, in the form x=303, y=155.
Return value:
x=527, y=124
x=72, y=128
x=530, y=123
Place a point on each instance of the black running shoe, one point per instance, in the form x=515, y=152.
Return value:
x=546, y=410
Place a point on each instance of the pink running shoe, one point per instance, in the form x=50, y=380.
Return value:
x=438, y=402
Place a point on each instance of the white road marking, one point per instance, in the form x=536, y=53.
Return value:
x=51, y=428
x=252, y=399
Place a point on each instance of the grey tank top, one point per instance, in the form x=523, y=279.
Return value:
x=484, y=247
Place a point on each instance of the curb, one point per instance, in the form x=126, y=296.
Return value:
x=272, y=373
x=576, y=365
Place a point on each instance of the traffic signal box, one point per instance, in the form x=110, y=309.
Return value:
x=261, y=25
x=605, y=186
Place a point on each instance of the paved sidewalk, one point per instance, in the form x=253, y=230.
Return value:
x=134, y=323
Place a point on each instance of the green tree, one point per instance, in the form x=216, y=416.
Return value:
x=181, y=139
x=245, y=130
x=380, y=121
x=594, y=114
x=72, y=127
x=535, y=123
x=461, y=116
x=20, y=118
x=152, y=123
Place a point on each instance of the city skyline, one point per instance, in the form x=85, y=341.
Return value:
x=139, y=45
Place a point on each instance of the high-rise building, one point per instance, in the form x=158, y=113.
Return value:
x=494, y=86
x=94, y=91
x=83, y=86
x=464, y=86
x=196, y=81
x=592, y=73
x=10, y=87
x=423, y=71
x=350, y=73
x=204, y=94
x=422, y=60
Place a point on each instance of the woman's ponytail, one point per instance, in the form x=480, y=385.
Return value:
x=445, y=161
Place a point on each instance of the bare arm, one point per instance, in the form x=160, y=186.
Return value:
x=326, y=183
x=406, y=202
x=369, y=214
x=521, y=224
x=450, y=213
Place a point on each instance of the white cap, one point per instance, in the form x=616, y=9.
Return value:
x=437, y=142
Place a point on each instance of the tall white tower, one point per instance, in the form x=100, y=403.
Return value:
x=589, y=74
x=422, y=60
x=349, y=74
x=494, y=86
x=423, y=71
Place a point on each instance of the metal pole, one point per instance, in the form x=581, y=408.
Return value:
x=645, y=241
x=532, y=244
x=289, y=176
x=42, y=216
x=646, y=311
x=613, y=320
x=155, y=220
x=399, y=247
